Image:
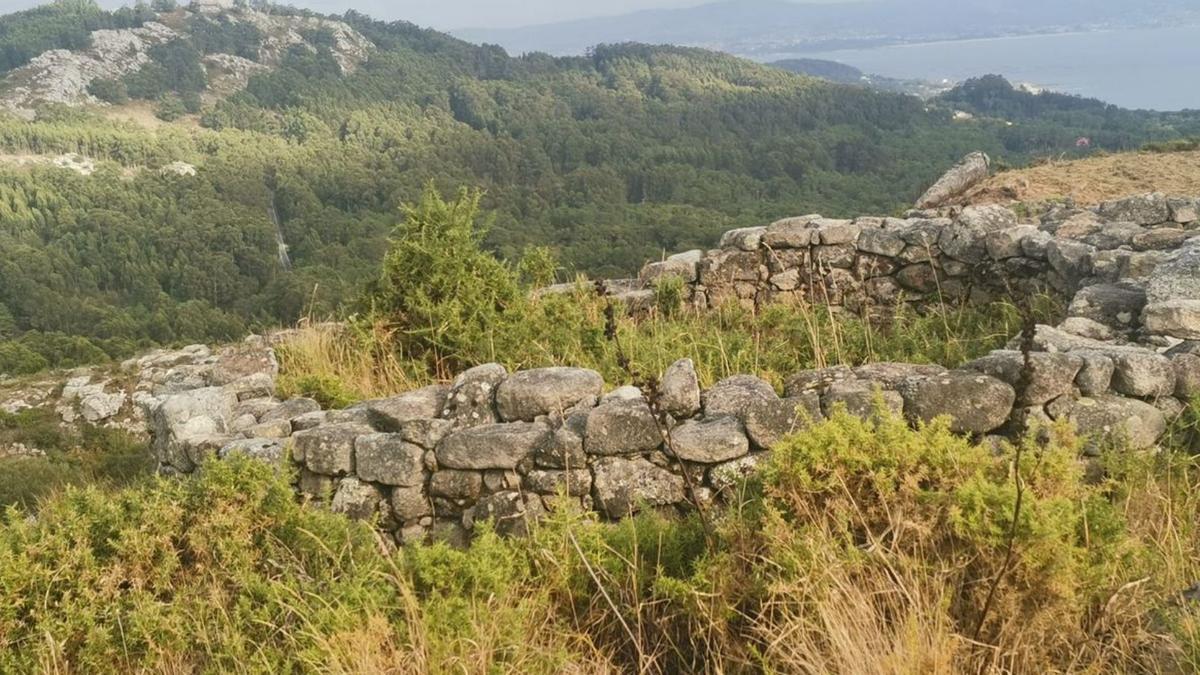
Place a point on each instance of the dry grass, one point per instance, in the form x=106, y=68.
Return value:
x=1094, y=180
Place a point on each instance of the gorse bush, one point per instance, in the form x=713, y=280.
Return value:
x=442, y=304
x=864, y=547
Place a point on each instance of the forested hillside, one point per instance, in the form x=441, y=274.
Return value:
x=608, y=160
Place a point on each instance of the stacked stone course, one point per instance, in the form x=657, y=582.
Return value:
x=510, y=446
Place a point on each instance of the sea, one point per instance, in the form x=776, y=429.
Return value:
x=1155, y=69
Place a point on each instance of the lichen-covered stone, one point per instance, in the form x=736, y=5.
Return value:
x=389, y=414
x=621, y=428
x=390, y=460
x=471, y=400
x=770, y=421
x=679, y=391
x=1176, y=318
x=623, y=485
x=529, y=394
x=975, y=403
x=576, y=482
x=495, y=446
x=734, y=396
x=328, y=449
x=358, y=500
x=710, y=441
x=1050, y=375
x=1142, y=373
x=1108, y=417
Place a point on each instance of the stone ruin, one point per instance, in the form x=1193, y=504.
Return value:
x=510, y=446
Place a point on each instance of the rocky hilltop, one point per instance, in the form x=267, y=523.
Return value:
x=66, y=77
x=508, y=445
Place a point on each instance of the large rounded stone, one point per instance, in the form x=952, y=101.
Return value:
x=358, y=500
x=1178, y=279
x=861, y=398
x=623, y=485
x=390, y=460
x=1142, y=373
x=734, y=396
x=975, y=403
x=710, y=441
x=329, y=449
x=526, y=395
x=1050, y=376
x=1115, y=305
x=472, y=397
x=495, y=446
x=1107, y=418
x=679, y=391
x=389, y=414
x=621, y=428
x=768, y=422
x=1176, y=318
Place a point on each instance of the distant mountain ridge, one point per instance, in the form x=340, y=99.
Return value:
x=753, y=27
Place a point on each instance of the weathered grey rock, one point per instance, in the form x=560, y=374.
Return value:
x=308, y=421
x=410, y=504
x=576, y=482
x=495, y=446
x=975, y=403
x=840, y=256
x=562, y=449
x=1161, y=239
x=358, y=500
x=257, y=407
x=621, y=428
x=426, y=433
x=529, y=394
x=472, y=398
x=892, y=375
x=710, y=441
x=1142, y=373
x=682, y=265
x=1113, y=235
x=861, y=399
x=833, y=232
x=269, y=451
x=184, y=419
x=770, y=421
x=1037, y=245
x=921, y=278
x=626, y=393
x=1176, y=318
x=315, y=486
x=1050, y=376
x=1005, y=243
x=456, y=485
x=1087, y=328
x=328, y=449
x=972, y=170
x=1178, y=279
x=273, y=429
x=621, y=486
x=355, y=415
x=882, y=242
x=390, y=460
x=289, y=410
x=511, y=513
x=1071, y=259
x=746, y=238
x=734, y=396
x=389, y=414
x=816, y=380
x=1095, y=377
x=1118, y=306
x=724, y=478
x=1187, y=375
x=1106, y=418
x=967, y=239
x=791, y=233
x=1148, y=209
x=679, y=391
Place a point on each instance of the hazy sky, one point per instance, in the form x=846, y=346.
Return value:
x=447, y=14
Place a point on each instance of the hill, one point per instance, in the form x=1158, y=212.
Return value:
x=239, y=168
x=751, y=27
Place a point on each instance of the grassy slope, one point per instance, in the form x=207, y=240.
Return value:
x=1095, y=179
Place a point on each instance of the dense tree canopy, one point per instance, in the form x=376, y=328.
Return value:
x=609, y=159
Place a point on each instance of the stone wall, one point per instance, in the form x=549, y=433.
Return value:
x=494, y=444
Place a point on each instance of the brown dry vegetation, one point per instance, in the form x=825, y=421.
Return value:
x=1094, y=180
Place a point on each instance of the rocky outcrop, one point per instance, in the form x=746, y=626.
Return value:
x=968, y=173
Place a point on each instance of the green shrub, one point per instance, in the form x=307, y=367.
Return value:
x=17, y=359
x=109, y=91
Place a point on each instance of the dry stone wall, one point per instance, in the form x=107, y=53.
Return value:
x=511, y=446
